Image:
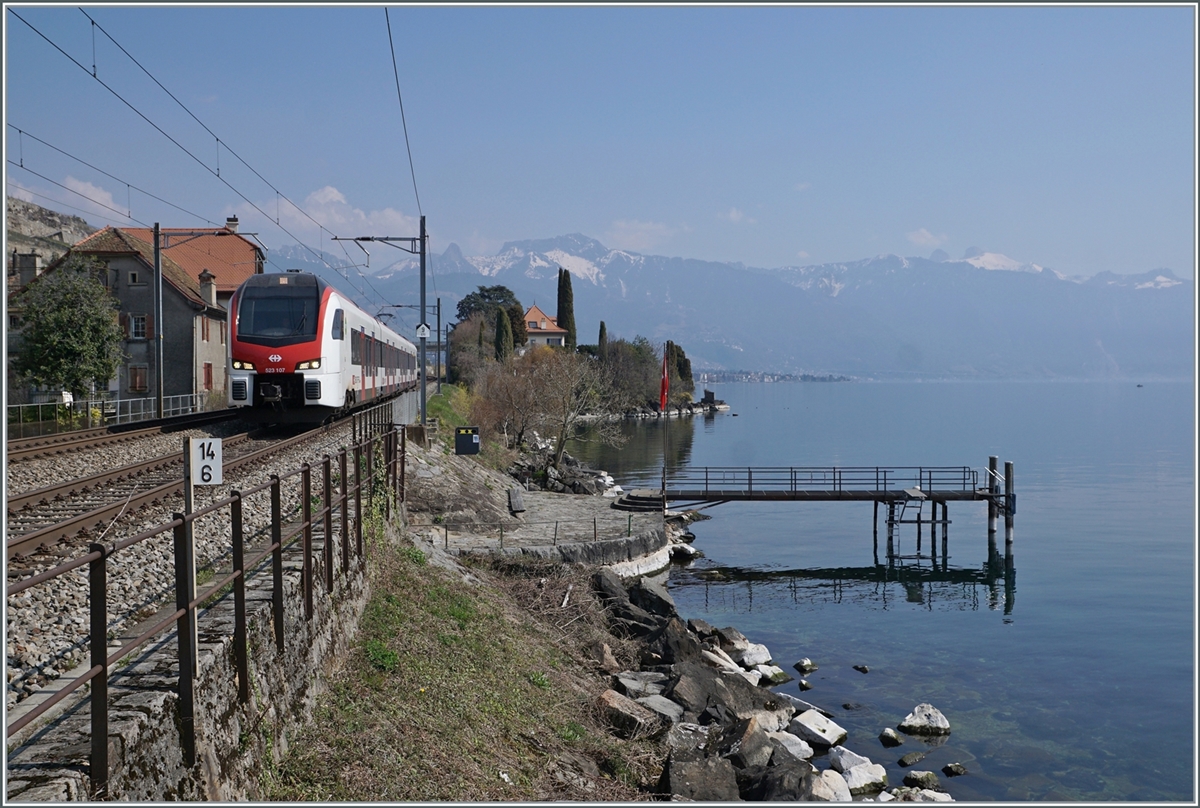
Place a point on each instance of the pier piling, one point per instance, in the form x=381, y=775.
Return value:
x=994, y=487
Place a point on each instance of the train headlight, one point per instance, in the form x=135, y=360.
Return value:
x=312, y=364
x=240, y=365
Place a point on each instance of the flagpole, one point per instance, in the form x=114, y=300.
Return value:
x=662, y=407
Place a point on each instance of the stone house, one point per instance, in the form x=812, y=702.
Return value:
x=543, y=330
x=201, y=270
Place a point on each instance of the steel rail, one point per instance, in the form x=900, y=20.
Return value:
x=63, y=442
x=19, y=502
x=68, y=529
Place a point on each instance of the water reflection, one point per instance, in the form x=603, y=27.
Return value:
x=639, y=461
x=882, y=586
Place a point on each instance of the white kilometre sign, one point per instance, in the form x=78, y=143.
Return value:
x=423, y=331
x=206, y=466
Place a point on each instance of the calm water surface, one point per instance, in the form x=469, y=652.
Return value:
x=1075, y=681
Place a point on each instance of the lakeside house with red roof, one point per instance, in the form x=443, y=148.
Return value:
x=543, y=330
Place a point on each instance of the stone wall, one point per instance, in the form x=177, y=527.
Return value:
x=598, y=553
x=234, y=741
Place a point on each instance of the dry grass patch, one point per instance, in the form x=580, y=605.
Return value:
x=457, y=692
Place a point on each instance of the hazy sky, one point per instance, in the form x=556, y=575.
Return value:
x=773, y=136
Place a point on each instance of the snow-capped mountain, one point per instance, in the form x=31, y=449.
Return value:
x=983, y=315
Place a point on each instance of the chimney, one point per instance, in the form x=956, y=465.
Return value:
x=231, y=224
x=29, y=266
x=208, y=287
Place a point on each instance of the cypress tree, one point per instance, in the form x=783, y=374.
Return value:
x=566, y=308
x=602, y=342
x=504, y=336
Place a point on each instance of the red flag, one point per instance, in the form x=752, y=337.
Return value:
x=662, y=397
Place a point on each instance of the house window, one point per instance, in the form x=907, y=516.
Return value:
x=138, y=377
x=532, y=324
x=208, y=376
x=204, y=331
x=543, y=325
x=133, y=278
x=137, y=326
x=14, y=322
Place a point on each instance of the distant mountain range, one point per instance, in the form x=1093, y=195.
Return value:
x=982, y=316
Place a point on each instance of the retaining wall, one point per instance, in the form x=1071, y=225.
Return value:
x=234, y=741
x=598, y=553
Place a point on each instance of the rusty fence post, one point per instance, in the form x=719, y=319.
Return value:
x=345, y=516
x=183, y=631
x=306, y=515
x=240, y=658
x=358, y=542
x=277, y=562
x=327, y=522
x=403, y=460
x=98, y=603
x=387, y=474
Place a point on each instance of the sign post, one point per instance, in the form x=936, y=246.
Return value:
x=202, y=466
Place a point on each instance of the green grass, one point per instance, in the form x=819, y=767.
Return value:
x=448, y=684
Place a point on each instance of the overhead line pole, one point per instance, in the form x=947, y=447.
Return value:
x=424, y=327
x=416, y=246
x=158, y=321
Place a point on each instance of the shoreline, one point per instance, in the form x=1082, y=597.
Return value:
x=680, y=656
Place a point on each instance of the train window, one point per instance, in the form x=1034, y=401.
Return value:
x=338, y=322
x=281, y=313
x=356, y=347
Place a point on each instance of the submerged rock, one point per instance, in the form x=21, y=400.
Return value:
x=912, y=758
x=805, y=665
x=954, y=770
x=922, y=780
x=889, y=737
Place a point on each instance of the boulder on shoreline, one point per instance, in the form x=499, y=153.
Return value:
x=925, y=719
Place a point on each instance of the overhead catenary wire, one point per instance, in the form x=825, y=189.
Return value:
x=160, y=130
x=77, y=193
x=318, y=254
x=22, y=189
x=205, y=127
x=403, y=122
x=126, y=183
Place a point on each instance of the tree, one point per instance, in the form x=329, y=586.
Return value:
x=467, y=354
x=516, y=319
x=679, y=369
x=71, y=340
x=602, y=342
x=487, y=299
x=566, y=308
x=569, y=387
x=504, y=336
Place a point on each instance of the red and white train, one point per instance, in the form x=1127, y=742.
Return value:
x=300, y=351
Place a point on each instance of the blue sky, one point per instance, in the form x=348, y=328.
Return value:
x=773, y=136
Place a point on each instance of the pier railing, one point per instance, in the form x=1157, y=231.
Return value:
x=835, y=479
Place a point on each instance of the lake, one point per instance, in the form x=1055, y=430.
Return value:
x=1074, y=682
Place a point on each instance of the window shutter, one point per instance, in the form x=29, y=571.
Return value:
x=150, y=332
x=123, y=321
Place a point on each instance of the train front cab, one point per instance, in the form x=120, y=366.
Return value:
x=288, y=349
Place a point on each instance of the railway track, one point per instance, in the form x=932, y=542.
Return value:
x=62, y=443
x=54, y=519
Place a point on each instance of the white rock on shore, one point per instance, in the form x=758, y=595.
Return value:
x=925, y=719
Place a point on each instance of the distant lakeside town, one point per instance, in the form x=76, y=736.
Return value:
x=726, y=376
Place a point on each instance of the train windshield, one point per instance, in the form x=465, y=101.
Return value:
x=277, y=315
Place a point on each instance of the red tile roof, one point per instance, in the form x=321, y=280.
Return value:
x=537, y=315
x=230, y=257
x=118, y=241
